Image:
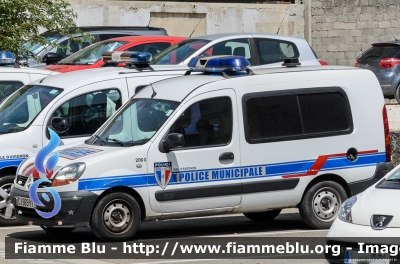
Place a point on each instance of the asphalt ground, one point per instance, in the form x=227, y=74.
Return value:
x=287, y=224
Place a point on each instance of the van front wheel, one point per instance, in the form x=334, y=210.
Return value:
x=116, y=217
x=263, y=216
x=321, y=204
x=6, y=183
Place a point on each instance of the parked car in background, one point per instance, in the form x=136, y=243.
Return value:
x=91, y=57
x=50, y=55
x=383, y=59
x=261, y=50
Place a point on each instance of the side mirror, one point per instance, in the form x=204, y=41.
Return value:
x=173, y=140
x=59, y=124
x=52, y=58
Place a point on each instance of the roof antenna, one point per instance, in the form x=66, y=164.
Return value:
x=148, y=25
x=281, y=22
x=154, y=92
x=195, y=28
x=280, y=26
x=393, y=36
x=45, y=77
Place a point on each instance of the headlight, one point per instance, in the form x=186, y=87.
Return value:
x=20, y=167
x=68, y=174
x=345, y=210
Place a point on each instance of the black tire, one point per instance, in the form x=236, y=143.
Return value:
x=57, y=230
x=116, y=217
x=263, y=216
x=397, y=94
x=5, y=183
x=321, y=204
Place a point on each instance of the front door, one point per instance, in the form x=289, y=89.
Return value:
x=201, y=174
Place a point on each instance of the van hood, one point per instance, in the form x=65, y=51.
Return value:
x=376, y=201
x=68, y=154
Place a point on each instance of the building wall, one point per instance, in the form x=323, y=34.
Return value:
x=180, y=18
x=342, y=29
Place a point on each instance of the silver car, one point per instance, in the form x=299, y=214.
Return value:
x=261, y=50
x=384, y=60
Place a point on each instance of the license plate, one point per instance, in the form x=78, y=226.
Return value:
x=24, y=202
x=352, y=256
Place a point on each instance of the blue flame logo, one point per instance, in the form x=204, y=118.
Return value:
x=51, y=163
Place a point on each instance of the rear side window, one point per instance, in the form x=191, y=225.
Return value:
x=8, y=87
x=153, y=48
x=302, y=114
x=380, y=52
x=275, y=50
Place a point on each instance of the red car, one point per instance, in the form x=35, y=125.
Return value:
x=91, y=56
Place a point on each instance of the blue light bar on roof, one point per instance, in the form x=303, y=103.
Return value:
x=133, y=57
x=219, y=64
x=141, y=57
x=6, y=58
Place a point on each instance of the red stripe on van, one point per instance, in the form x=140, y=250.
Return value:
x=320, y=162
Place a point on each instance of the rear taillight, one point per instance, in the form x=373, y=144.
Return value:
x=387, y=135
x=356, y=63
x=387, y=63
x=323, y=63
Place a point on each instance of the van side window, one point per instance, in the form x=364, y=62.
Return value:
x=294, y=116
x=274, y=50
x=237, y=47
x=8, y=87
x=206, y=123
x=87, y=112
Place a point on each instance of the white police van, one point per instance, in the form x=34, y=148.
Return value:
x=11, y=79
x=227, y=141
x=80, y=101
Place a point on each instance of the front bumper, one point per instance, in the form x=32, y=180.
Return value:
x=76, y=209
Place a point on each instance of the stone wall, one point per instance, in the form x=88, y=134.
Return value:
x=343, y=29
x=395, y=146
x=218, y=17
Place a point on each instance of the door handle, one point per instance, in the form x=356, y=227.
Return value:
x=226, y=156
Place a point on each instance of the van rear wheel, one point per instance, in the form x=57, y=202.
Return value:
x=263, y=216
x=321, y=204
x=116, y=217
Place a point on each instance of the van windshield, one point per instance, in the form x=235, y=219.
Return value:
x=135, y=124
x=19, y=110
x=179, y=52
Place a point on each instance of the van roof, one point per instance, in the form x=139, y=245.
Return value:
x=179, y=87
x=76, y=79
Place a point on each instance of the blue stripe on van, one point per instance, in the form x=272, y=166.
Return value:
x=289, y=169
x=10, y=163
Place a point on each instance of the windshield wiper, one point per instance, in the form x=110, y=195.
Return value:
x=117, y=141
x=102, y=140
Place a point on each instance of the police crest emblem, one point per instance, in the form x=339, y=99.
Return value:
x=162, y=173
